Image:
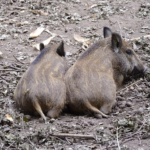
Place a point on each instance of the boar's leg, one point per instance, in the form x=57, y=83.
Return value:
x=94, y=110
x=38, y=109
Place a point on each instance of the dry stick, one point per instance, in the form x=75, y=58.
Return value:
x=145, y=36
x=4, y=74
x=118, y=140
x=128, y=140
x=33, y=145
x=113, y=146
x=40, y=4
x=20, y=8
x=7, y=148
x=74, y=135
x=134, y=83
x=54, y=34
x=18, y=59
x=16, y=68
x=6, y=69
x=94, y=127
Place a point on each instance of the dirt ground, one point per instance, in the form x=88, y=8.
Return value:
x=128, y=126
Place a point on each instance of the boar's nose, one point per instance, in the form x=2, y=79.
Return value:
x=139, y=70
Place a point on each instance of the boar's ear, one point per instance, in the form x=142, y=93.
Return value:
x=60, y=49
x=106, y=32
x=116, y=42
x=41, y=46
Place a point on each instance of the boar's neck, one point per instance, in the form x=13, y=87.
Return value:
x=50, y=65
x=97, y=58
x=119, y=66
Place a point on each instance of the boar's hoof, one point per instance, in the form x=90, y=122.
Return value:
x=98, y=116
x=53, y=114
x=42, y=120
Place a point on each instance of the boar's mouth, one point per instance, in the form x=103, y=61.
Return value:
x=138, y=72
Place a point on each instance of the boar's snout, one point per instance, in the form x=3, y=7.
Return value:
x=139, y=70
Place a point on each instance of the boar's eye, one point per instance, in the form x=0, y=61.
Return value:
x=128, y=51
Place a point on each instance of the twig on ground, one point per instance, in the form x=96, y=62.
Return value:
x=73, y=135
x=135, y=39
x=15, y=68
x=138, y=131
x=40, y=4
x=117, y=136
x=19, y=8
x=7, y=148
x=127, y=140
x=6, y=69
x=108, y=147
x=95, y=127
x=134, y=83
x=4, y=74
x=17, y=59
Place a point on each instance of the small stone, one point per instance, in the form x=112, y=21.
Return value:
x=123, y=122
x=123, y=104
x=139, y=89
x=110, y=127
x=91, y=123
x=139, y=111
x=69, y=148
x=120, y=98
x=131, y=88
x=128, y=104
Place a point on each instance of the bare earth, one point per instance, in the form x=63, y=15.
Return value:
x=128, y=126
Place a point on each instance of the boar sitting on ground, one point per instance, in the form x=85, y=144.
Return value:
x=42, y=88
x=93, y=80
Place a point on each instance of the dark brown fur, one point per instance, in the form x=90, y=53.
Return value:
x=93, y=80
x=42, y=88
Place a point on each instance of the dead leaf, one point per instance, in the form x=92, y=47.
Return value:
x=94, y=5
x=101, y=3
x=80, y=39
x=85, y=42
x=24, y=22
x=45, y=42
x=8, y=117
x=43, y=13
x=39, y=12
x=1, y=54
x=144, y=37
x=37, y=32
x=22, y=11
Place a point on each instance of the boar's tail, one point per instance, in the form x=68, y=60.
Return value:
x=39, y=110
x=94, y=109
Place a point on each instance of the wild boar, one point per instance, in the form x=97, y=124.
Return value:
x=42, y=88
x=93, y=80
